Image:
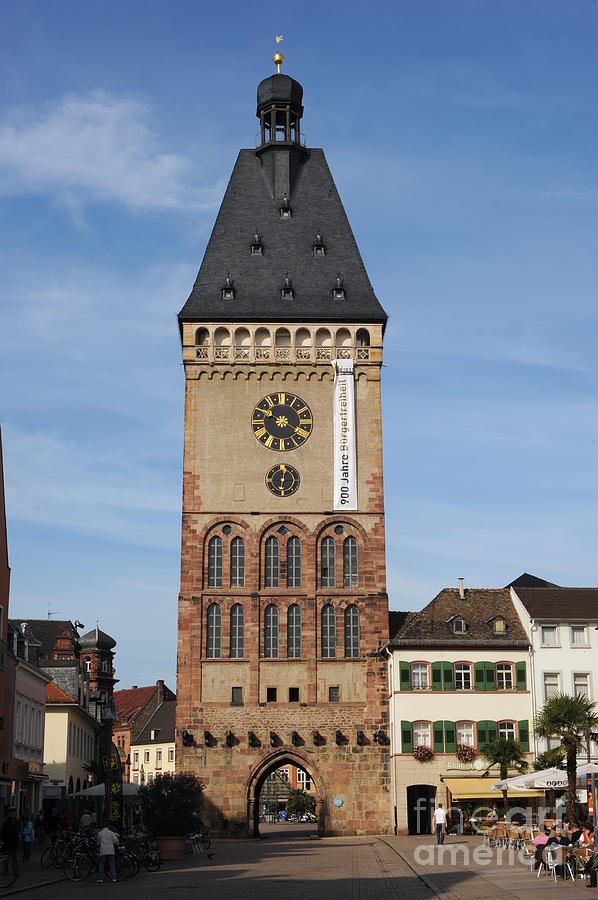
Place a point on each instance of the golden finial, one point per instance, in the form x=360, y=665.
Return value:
x=278, y=58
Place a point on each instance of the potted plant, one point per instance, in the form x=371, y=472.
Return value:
x=422, y=753
x=465, y=753
x=170, y=806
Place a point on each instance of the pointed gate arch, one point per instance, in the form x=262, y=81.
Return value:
x=269, y=763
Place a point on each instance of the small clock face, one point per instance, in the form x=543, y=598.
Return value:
x=282, y=421
x=282, y=480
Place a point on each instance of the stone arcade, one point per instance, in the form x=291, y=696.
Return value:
x=283, y=606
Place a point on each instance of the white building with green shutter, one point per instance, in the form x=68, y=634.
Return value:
x=458, y=677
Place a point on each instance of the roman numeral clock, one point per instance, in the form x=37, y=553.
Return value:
x=282, y=422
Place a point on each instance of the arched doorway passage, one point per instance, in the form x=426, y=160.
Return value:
x=263, y=773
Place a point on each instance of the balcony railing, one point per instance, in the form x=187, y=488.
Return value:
x=248, y=353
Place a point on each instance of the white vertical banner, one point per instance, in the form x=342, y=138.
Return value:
x=345, y=451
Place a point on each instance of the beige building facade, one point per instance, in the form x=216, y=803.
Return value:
x=458, y=678
x=70, y=743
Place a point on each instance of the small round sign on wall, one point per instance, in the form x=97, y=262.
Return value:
x=338, y=801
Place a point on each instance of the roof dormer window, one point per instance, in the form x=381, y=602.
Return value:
x=318, y=247
x=286, y=292
x=285, y=210
x=338, y=291
x=257, y=247
x=459, y=626
x=228, y=291
x=499, y=626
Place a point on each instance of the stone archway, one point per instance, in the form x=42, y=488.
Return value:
x=268, y=764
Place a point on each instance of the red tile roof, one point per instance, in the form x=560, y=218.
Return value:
x=54, y=694
x=129, y=703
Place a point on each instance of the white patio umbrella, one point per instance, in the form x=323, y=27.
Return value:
x=511, y=784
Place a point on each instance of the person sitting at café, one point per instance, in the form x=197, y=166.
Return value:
x=540, y=841
x=591, y=867
x=559, y=837
x=561, y=840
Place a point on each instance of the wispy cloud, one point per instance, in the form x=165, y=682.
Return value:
x=97, y=148
x=112, y=494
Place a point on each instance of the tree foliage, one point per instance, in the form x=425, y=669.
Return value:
x=171, y=803
x=574, y=720
x=300, y=802
x=506, y=755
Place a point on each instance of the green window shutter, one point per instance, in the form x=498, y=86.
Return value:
x=450, y=737
x=492, y=731
x=436, y=676
x=404, y=676
x=480, y=676
x=524, y=734
x=490, y=677
x=406, y=737
x=482, y=730
x=447, y=676
x=438, y=738
x=520, y=675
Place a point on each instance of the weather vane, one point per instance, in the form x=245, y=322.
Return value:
x=278, y=58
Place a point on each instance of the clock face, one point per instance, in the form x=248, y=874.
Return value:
x=282, y=421
x=282, y=480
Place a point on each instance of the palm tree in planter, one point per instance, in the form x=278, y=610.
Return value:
x=505, y=754
x=170, y=807
x=574, y=720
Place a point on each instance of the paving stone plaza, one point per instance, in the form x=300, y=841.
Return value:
x=288, y=863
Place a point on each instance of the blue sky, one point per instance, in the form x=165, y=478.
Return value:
x=462, y=137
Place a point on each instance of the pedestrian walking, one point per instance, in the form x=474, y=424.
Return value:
x=28, y=836
x=440, y=823
x=107, y=844
x=10, y=834
x=39, y=827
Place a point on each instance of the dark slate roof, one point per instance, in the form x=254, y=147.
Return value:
x=433, y=626
x=162, y=721
x=396, y=620
x=559, y=602
x=527, y=580
x=97, y=639
x=47, y=631
x=287, y=249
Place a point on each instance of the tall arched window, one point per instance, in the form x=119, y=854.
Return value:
x=351, y=632
x=237, y=632
x=237, y=562
x=328, y=563
x=214, y=632
x=350, y=574
x=294, y=562
x=294, y=632
x=215, y=562
x=328, y=631
x=271, y=631
x=272, y=572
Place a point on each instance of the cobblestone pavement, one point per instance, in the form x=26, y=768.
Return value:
x=287, y=865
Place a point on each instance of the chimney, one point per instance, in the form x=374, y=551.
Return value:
x=160, y=686
x=461, y=589
x=133, y=687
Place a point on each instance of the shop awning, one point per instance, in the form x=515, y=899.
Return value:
x=481, y=789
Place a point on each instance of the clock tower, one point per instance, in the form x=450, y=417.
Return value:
x=283, y=606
